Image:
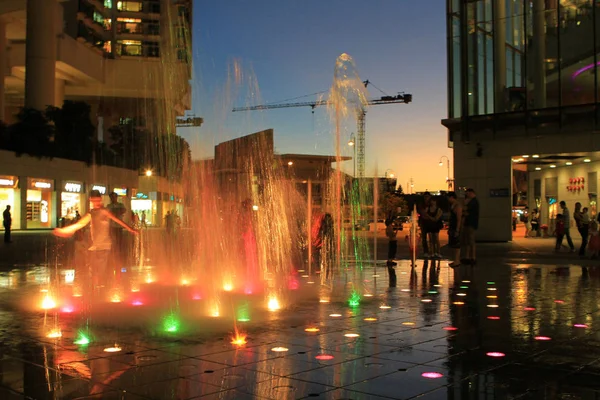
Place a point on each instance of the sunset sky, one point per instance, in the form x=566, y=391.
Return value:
x=263, y=51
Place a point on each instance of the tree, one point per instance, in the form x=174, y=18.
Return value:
x=31, y=134
x=389, y=203
x=171, y=156
x=74, y=132
x=131, y=145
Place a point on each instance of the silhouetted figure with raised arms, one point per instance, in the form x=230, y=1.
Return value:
x=98, y=219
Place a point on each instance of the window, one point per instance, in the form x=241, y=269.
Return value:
x=108, y=3
x=182, y=11
x=129, y=25
x=98, y=18
x=107, y=47
x=154, y=8
x=152, y=49
x=129, y=47
x=182, y=55
x=133, y=6
x=153, y=28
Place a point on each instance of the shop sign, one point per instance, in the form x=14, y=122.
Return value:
x=9, y=181
x=141, y=195
x=120, y=191
x=40, y=184
x=100, y=188
x=73, y=187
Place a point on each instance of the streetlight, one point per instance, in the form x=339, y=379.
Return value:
x=441, y=164
x=389, y=176
x=352, y=143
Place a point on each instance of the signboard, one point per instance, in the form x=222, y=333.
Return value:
x=40, y=184
x=120, y=191
x=505, y=192
x=100, y=188
x=73, y=187
x=140, y=195
x=9, y=181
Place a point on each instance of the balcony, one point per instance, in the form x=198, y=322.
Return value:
x=137, y=48
x=132, y=27
x=99, y=5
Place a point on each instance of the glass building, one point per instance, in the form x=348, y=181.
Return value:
x=530, y=64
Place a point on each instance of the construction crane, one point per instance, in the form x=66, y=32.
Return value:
x=360, y=146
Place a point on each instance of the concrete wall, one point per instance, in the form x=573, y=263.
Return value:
x=492, y=171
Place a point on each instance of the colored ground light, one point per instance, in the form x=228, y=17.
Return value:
x=440, y=349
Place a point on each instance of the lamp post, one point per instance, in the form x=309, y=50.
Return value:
x=441, y=164
x=352, y=143
x=389, y=176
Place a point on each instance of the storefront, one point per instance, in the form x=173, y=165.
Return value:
x=120, y=191
x=10, y=195
x=144, y=207
x=40, y=203
x=71, y=201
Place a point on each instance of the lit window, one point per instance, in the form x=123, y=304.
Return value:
x=133, y=6
x=108, y=47
x=108, y=3
x=98, y=18
x=129, y=25
x=129, y=47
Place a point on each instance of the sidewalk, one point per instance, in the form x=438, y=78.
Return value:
x=38, y=247
x=520, y=250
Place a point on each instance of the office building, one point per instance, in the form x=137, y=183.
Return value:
x=523, y=94
x=127, y=59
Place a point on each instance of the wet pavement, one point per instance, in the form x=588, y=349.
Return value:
x=494, y=331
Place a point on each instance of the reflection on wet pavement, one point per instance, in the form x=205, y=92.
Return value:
x=492, y=331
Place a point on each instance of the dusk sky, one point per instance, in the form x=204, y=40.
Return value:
x=287, y=49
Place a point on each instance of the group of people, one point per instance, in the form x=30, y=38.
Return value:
x=462, y=225
x=587, y=228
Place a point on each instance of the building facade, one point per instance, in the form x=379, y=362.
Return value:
x=127, y=59
x=45, y=195
x=522, y=88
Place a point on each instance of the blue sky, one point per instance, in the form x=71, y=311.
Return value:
x=286, y=48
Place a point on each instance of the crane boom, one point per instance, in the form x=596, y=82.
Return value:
x=401, y=98
x=360, y=148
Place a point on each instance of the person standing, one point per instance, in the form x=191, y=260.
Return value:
x=470, y=226
x=424, y=223
x=525, y=219
x=559, y=231
x=582, y=220
x=391, y=234
x=434, y=215
x=535, y=223
x=116, y=232
x=566, y=217
x=454, y=226
x=7, y=222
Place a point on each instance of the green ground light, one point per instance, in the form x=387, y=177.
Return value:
x=354, y=300
x=171, y=323
x=82, y=339
x=243, y=313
